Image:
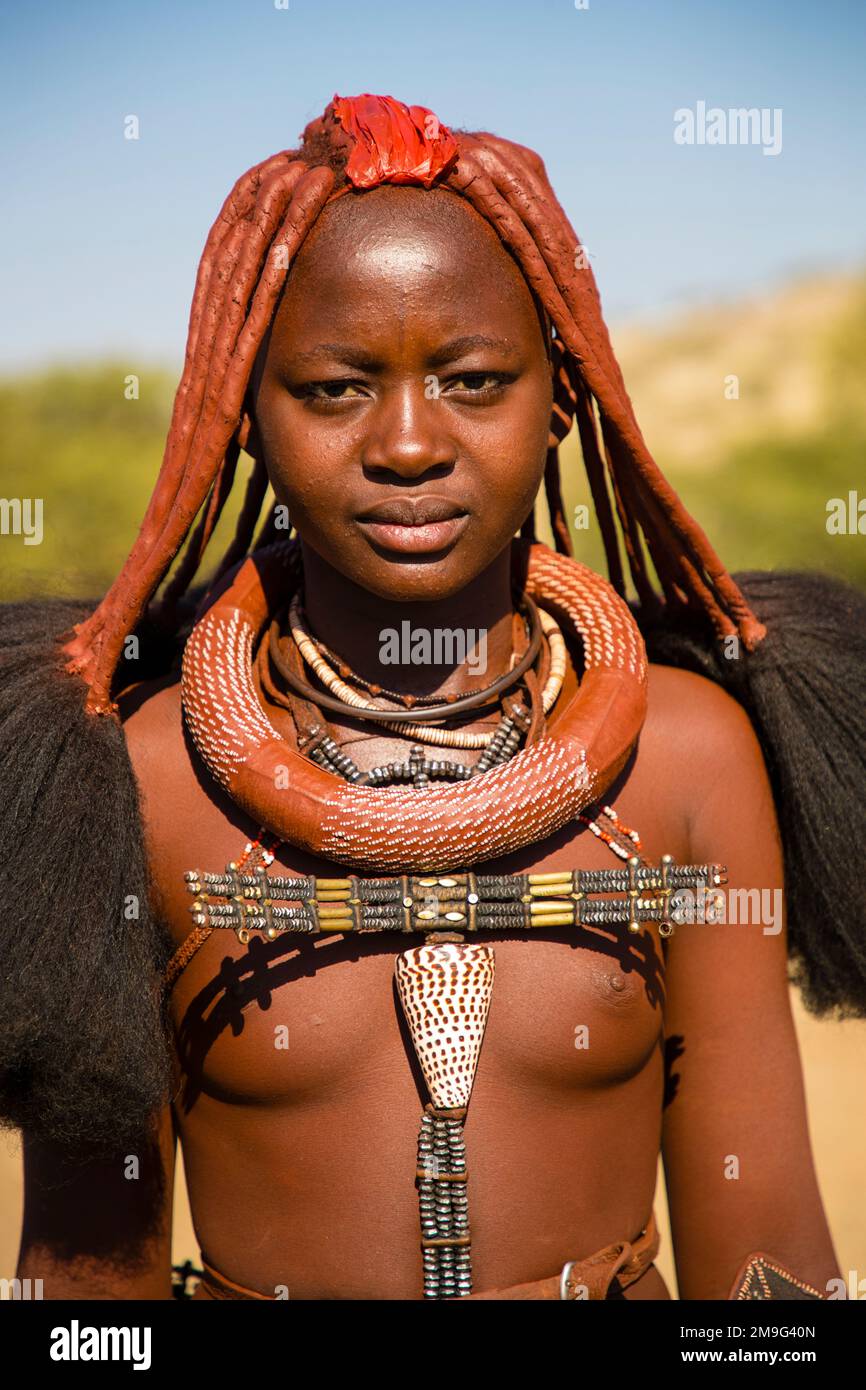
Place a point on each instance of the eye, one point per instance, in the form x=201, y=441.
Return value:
x=479, y=383
x=331, y=391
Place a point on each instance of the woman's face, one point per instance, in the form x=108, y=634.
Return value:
x=402, y=398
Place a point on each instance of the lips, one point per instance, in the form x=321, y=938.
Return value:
x=414, y=525
x=413, y=511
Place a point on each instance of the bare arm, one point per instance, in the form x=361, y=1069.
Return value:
x=736, y=1146
x=100, y=1230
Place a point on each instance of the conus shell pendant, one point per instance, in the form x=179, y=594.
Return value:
x=445, y=991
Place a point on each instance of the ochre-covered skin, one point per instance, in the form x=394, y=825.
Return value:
x=300, y=1159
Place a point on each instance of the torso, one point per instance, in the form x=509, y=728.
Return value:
x=300, y=1159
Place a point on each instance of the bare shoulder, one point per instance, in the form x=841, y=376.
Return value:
x=693, y=718
x=169, y=787
x=151, y=715
x=175, y=805
x=698, y=749
x=184, y=811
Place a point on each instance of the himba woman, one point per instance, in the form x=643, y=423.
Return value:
x=401, y=951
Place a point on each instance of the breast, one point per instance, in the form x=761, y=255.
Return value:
x=569, y=1016
x=279, y=1023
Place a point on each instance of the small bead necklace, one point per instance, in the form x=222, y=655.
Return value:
x=418, y=770
x=305, y=639
x=442, y=738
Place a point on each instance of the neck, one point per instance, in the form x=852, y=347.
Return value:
x=421, y=648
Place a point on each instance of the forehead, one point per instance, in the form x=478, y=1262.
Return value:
x=423, y=245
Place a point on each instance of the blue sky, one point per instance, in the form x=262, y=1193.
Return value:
x=102, y=235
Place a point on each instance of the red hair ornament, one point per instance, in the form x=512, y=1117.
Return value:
x=393, y=143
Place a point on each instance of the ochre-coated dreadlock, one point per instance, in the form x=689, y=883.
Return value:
x=251, y=246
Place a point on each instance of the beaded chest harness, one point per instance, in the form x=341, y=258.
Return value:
x=445, y=984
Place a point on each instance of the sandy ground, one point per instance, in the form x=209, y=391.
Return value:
x=834, y=1065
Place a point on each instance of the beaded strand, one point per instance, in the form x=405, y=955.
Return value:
x=311, y=651
x=618, y=829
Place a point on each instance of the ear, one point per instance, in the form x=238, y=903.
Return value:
x=247, y=433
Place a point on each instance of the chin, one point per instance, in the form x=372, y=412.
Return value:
x=414, y=583
x=419, y=578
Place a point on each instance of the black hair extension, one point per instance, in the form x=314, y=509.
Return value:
x=803, y=689
x=84, y=1043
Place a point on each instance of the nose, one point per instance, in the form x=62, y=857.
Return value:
x=408, y=433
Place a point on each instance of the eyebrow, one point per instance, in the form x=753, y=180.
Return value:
x=457, y=347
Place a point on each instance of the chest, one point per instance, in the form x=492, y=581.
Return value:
x=301, y=1018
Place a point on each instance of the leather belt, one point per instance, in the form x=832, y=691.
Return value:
x=590, y=1278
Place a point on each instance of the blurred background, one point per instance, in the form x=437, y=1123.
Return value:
x=733, y=280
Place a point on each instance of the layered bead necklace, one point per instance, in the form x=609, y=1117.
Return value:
x=543, y=639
